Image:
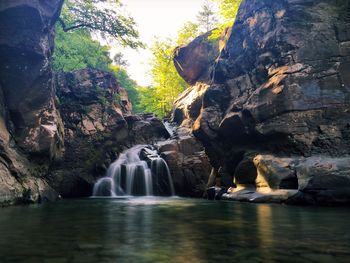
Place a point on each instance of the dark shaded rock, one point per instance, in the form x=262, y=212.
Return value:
x=188, y=164
x=147, y=130
x=226, y=178
x=148, y=153
x=31, y=131
x=324, y=173
x=26, y=45
x=90, y=86
x=211, y=192
x=215, y=193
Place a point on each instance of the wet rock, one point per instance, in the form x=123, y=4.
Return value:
x=250, y=194
x=188, y=164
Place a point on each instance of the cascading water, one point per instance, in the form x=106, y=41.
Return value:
x=132, y=175
x=170, y=128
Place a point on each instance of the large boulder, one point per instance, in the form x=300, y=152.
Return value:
x=195, y=61
x=280, y=87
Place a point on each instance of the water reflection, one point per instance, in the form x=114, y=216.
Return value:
x=265, y=231
x=172, y=230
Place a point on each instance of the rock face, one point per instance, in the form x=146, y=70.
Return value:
x=30, y=127
x=26, y=45
x=188, y=163
x=277, y=108
x=98, y=124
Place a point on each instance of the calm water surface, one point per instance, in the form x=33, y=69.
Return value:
x=172, y=230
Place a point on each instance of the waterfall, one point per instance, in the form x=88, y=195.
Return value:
x=138, y=171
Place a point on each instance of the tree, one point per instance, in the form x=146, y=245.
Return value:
x=187, y=33
x=76, y=50
x=206, y=17
x=228, y=9
x=100, y=16
x=167, y=84
x=148, y=100
x=119, y=60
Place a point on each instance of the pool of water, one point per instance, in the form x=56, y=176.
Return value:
x=172, y=230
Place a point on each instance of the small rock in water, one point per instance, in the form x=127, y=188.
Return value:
x=215, y=193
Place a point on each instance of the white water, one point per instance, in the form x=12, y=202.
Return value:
x=169, y=128
x=129, y=175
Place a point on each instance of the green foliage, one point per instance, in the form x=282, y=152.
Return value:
x=148, y=100
x=167, y=84
x=187, y=33
x=104, y=17
x=76, y=50
x=228, y=9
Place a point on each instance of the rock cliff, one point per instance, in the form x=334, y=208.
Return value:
x=273, y=111
x=31, y=131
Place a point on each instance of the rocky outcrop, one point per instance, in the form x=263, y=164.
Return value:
x=30, y=127
x=194, y=62
x=98, y=125
x=277, y=107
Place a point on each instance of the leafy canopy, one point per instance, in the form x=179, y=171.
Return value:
x=228, y=9
x=76, y=50
x=188, y=32
x=104, y=17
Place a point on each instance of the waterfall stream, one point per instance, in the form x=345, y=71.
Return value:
x=139, y=171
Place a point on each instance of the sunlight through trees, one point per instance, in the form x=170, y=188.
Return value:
x=76, y=49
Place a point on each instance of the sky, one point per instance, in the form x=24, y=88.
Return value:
x=156, y=19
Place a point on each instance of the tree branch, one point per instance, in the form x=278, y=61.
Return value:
x=66, y=29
